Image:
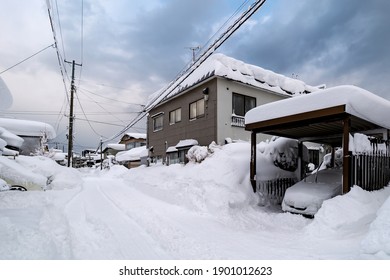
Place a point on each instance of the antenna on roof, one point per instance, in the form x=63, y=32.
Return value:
x=193, y=49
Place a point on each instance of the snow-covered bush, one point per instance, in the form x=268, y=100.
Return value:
x=197, y=153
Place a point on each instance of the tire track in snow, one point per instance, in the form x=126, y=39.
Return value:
x=100, y=229
x=170, y=225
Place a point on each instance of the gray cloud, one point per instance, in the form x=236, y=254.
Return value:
x=133, y=48
x=339, y=39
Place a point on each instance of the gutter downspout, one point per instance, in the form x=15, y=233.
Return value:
x=253, y=161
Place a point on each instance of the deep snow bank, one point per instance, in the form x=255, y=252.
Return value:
x=357, y=212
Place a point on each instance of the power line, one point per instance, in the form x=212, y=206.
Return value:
x=59, y=25
x=193, y=66
x=89, y=123
x=62, y=68
x=20, y=62
x=129, y=103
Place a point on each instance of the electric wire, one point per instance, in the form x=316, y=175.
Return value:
x=193, y=66
x=60, y=27
x=89, y=123
x=111, y=99
x=102, y=108
x=31, y=56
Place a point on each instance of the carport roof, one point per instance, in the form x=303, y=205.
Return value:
x=319, y=116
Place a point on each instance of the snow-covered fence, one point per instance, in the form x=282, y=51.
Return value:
x=274, y=190
x=370, y=171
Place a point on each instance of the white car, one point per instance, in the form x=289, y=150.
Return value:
x=5, y=187
x=306, y=197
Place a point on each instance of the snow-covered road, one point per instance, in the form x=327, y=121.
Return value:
x=198, y=211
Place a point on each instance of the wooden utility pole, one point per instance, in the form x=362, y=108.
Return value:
x=71, y=117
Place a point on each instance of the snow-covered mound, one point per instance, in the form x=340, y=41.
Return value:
x=58, y=177
x=14, y=174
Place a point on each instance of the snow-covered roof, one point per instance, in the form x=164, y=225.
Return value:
x=223, y=66
x=27, y=128
x=131, y=155
x=116, y=147
x=5, y=95
x=358, y=102
x=171, y=149
x=136, y=135
x=11, y=139
x=186, y=143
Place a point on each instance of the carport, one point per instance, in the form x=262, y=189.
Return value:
x=327, y=117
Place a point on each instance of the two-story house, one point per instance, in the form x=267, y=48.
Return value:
x=210, y=105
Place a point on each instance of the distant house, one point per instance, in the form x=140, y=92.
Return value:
x=31, y=132
x=133, y=140
x=133, y=157
x=211, y=103
x=112, y=149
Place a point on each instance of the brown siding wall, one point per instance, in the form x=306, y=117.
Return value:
x=202, y=129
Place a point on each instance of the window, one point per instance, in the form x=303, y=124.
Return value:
x=158, y=122
x=242, y=104
x=197, y=109
x=132, y=145
x=175, y=116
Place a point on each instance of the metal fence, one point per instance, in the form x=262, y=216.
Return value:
x=370, y=171
x=274, y=190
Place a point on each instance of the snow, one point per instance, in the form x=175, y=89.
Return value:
x=27, y=128
x=136, y=135
x=9, y=152
x=197, y=153
x=358, y=102
x=11, y=139
x=5, y=96
x=223, y=66
x=2, y=145
x=200, y=211
x=171, y=149
x=15, y=174
x=186, y=143
x=307, y=196
x=117, y=147
x=360, y=144
x=130, y=155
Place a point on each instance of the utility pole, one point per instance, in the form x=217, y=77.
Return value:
x=71, y=117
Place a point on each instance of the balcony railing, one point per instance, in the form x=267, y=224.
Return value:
x=238, y=121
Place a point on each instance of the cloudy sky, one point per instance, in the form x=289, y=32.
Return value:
x=129, y=49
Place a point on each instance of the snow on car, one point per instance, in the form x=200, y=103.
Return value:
x=306, y=197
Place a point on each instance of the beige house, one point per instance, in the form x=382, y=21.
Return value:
x=133, y=140
x=210, y=105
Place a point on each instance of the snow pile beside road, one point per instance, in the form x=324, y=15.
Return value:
x=349, y=214
x=222, y=179
x=59, y=177
x=15, y=174
x=354, y=209
x=377, y=241
x=201, y=210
